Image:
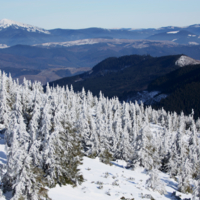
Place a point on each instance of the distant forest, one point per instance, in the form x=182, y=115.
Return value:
x=118, y=76
x=183, y=87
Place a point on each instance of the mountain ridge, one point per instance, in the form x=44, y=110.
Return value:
x=119, y=76
x=30, y=35
x=5, y=23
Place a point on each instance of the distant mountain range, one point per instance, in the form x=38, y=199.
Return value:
x=48, y=55
x=12, y=33
x=46, y=61
x=181, y=37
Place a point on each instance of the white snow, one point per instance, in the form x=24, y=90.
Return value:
x=185, y=60
x=5, y=23
x=193, y=43
x=172, y=32
x=71, y=43
x=2, y=126
x=112, y=182
x=2, y=150
x=110, y=42
x=84, y=42
x=106, y=182
x=191, y=35
x=3, y=46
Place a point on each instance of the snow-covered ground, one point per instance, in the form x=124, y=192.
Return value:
x=2, y=162
x=106, y=182
x=112, y=182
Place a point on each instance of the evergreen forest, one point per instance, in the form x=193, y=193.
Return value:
x=48, y=132
x=183, y=89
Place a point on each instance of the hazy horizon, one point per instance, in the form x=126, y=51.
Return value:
x=51, y=14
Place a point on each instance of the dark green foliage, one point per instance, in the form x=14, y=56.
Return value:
x=126, y=198
x=119, y=76
x=176, y=79
x=183, y=99
x=70, y=161
x=187, y=190
x=43, y=194
x=106, y=157
x=93, y=155
x=183, y=87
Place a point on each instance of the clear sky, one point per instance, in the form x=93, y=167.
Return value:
x=76, y=14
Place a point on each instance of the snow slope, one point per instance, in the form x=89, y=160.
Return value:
x=70, y=43
x=107, y=182
x=111, y=42
x=113, y=182
x=3, y=46
x=5, y=23
x=172, y=32
x=185, y=60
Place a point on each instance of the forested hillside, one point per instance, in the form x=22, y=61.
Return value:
x=47, y=133
x=118, y=76
x=183, y=88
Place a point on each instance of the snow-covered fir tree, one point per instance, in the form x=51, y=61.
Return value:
x=155, y=183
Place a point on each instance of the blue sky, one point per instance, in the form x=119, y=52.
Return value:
x=76, y=14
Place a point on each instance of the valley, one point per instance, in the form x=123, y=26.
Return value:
x=39, y=53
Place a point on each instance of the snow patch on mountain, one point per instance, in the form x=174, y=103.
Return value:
x=185, y=60
x=70, y=43
x=110, y=42
x=172, y=32
x=191, y=35
x=3, y=46
x=193, y=43
x=5, y=23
